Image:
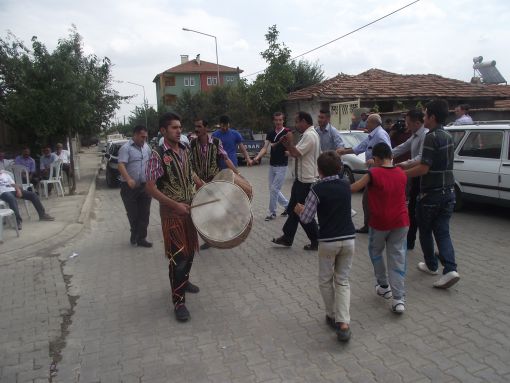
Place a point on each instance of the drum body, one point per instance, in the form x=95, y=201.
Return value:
x=229, y=176
x=225, y=223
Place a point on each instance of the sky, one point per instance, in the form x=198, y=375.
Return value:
x=144, y=38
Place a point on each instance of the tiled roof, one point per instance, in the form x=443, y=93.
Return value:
x=192, y=66
x=376, y=84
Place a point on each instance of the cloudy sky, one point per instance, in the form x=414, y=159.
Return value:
x=143, y=38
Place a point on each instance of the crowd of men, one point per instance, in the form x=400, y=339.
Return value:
x=400, y=197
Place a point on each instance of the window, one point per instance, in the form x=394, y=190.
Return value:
x=170, y=81
x=457, y=137
x=170, y=99
x=229, y=78
x=482, y=145
x=212, y=80
x=189, y=81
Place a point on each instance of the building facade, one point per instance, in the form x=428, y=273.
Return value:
x=192, y=75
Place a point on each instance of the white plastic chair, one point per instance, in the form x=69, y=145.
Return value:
x=54, y=178
x=7, y=214
x=21, y=177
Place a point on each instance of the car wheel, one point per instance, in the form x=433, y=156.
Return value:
x=347, y=173
x=459, y=203
x=110, y=178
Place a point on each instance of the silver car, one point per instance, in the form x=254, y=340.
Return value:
x=354, y=166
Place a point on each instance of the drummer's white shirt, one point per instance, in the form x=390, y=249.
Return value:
x=310, y=148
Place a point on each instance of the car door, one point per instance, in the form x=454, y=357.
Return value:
x=478, y=162
x=504, y=186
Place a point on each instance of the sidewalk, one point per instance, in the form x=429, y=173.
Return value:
x=70, y=215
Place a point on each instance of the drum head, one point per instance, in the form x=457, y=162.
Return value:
x=223, y=223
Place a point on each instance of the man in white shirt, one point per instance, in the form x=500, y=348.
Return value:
x=463, y=118
x=305, y=153
x=65, y=156
x=414, y=122
x=8, y=193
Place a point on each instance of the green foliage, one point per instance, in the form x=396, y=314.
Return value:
x=305, y=74
x=46, y=94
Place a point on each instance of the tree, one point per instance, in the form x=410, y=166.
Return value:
x=305, y=74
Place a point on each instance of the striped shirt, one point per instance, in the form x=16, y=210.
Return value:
x=311, y=203
x=438, y=155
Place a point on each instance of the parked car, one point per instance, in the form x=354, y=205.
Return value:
x=481, y=165
x=252, y=145
x=354, y=166
x=112, y=163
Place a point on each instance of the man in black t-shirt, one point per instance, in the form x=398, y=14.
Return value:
x=278, y=165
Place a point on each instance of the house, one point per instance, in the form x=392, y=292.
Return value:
x=390, y=94
x=194, y=75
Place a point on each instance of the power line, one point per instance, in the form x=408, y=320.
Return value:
x=347, y=34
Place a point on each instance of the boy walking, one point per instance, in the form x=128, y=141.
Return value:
x=388, y=225
x=330, y=198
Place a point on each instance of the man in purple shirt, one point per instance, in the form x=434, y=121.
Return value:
x=28, y=162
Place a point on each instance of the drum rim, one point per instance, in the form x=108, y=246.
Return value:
x=205, y=236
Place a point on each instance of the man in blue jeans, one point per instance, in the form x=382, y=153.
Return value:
x=437, y=196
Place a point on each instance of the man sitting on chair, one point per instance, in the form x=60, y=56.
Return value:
x=65, y=156
x=8, y=193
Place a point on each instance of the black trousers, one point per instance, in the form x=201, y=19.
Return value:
x=298, y=195
x=178, y=273
x=138, y=207
x=414, y=190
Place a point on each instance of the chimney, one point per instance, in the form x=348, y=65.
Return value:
x=184, y=59
x=198, y=59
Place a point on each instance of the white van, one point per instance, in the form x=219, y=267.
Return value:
x=482, y=162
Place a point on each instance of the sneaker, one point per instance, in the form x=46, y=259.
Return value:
x=46, y=217
x=270, y=217
x=314, y=246
x=342, y=335
x=398, y=306
x=447, y=280
x=191, y=288
x=284, y=214
x=422, y=266
x=384, y=292
x=181, y=313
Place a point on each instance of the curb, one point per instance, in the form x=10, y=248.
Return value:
x=69, y=232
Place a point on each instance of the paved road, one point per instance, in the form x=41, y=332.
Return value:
x=259, y=316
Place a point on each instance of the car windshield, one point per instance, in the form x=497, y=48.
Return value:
x=114, y=150
x=352, y=139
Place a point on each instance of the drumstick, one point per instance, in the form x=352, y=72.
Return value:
x=205, y=203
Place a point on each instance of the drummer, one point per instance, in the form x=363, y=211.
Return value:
x=206, y=155
x=207, y=151
x=171, y=181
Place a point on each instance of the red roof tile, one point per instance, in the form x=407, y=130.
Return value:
x=376, y=84
x=192, y=66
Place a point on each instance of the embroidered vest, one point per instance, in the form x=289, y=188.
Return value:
x=177, y=181
x=205, y=167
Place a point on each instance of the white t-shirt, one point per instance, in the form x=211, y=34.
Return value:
x=310, y=148
x=6, y=183
x=64, y=156
x=5, y=163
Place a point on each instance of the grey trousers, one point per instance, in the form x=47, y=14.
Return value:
x=335, y=260
x=395, y=243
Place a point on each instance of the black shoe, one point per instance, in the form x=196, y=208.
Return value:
x=132, y=239
x=205, y=246
x=410, y=246
x=181, y=313
x=312, y=246
x=191, y=288
x=46, y=217
x=143, y=243
x=282, y=241
x=331, y=322
x=362, y=230
x=343, y=335
x=284, y=214
x=20, y=226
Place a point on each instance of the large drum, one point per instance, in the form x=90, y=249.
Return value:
x=229, y=176
x=221, y=213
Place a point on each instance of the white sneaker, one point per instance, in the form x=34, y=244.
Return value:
x=383, y=292
x=447, y=280
x=398, y=306
x=422, y=266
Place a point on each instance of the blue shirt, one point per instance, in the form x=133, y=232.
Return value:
x=374, y=137
x=46, y=161
x=135, y=159
x=230, y=139
x=330, y=138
